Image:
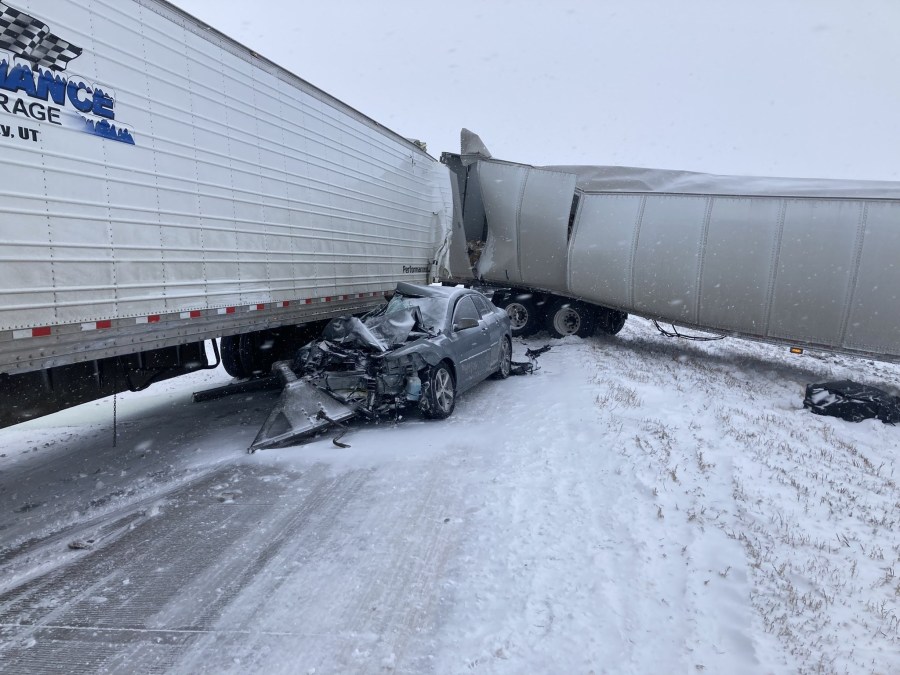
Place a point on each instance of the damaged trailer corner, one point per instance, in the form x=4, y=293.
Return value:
x=803, y=262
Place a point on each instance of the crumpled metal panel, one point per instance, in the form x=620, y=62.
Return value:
x=543, y=228
x=297, y=415
x=501, y=186
x=635, y=179
x=460, y=267
x=527, y=211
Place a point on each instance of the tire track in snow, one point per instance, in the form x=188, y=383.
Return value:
x=564, y=554
x=161, y=578
x=686, y=475
x=359, y=593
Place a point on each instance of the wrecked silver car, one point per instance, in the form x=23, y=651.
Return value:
x=423, y=348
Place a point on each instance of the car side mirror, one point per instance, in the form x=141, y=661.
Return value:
x=465, y=323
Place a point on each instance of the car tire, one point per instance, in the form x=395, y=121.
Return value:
x=505, y=368
x=610, y=321
x=569, y=317
x=441, y=394
x=523, y=315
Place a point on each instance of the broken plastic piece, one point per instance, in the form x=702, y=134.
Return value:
x=852, y=402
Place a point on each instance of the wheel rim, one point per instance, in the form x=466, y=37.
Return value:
x=567, y=321
x=518, y=315
x=443, y=390
x=505, y=357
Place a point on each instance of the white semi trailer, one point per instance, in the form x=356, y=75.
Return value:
x=163, y=186
x=806, y=262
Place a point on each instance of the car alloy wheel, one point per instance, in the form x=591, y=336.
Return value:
x=441, y=393
x=505, y=368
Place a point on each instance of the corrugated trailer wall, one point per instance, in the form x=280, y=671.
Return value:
x=800, y=261
x=180, y=173
x=813, y=271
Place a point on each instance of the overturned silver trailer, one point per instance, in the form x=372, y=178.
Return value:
x=806, y=262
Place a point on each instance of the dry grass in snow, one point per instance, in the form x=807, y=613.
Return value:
x=763, y=500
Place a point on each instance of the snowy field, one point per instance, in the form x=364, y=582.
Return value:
x=639, y=505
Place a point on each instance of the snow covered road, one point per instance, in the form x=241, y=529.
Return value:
x=638, y=505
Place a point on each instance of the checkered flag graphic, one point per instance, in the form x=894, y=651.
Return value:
x=25, y=36
x=20, y=33
x=54, y=53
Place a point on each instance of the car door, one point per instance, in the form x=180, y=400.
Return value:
x=495, y=327
x=470, y=340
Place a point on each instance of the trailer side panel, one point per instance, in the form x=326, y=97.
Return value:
x=179, y=177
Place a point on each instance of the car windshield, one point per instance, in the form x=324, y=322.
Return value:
x=433, y=310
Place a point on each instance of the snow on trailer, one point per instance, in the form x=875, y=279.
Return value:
x=806, y=262
x=165, y=185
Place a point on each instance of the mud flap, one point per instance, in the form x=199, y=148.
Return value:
x=301, y=412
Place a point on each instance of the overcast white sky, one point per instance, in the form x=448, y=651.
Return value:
x=769, y=87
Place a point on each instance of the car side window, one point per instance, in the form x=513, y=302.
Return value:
x=465, y=309
x=485, y=308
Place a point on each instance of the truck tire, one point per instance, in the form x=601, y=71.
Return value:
x=441, y=394
x=569, y=317
x=522, y=312
x=610, y=321
x=256, y=352
x=228, y=347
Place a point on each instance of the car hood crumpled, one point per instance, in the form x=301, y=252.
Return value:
x=381, y=333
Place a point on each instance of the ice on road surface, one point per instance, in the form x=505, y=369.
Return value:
x=638, y=505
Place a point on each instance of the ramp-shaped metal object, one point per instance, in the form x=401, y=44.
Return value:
x=302, y=410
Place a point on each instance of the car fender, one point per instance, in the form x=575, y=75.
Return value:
x=429, y=353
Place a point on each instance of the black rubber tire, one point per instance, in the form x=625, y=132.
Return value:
x=228, y=348
x=569, y=317
x=257, y=353
x=610, y=321
x=441, y=394
x=523, y=314
x=505, y=368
